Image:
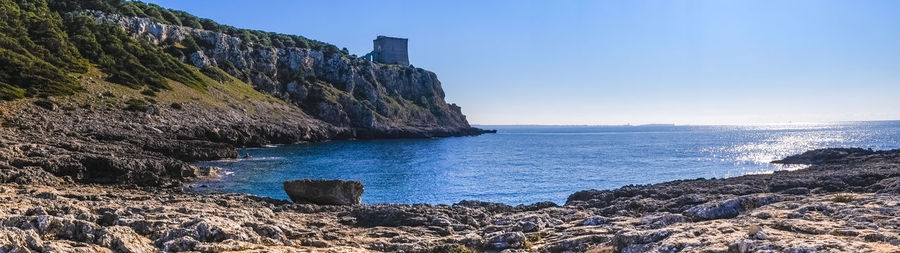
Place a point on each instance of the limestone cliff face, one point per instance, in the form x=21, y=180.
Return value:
x=373, y=100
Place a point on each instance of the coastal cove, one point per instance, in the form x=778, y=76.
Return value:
x=127, y=126
x=529, y=164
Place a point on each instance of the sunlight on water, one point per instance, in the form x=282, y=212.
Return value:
x=782, y=145
x=774, y=142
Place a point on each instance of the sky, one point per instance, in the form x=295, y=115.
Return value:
x=620, y=62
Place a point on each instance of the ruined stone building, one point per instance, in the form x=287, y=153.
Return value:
x=389, y=50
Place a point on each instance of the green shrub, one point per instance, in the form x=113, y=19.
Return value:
x=45, y=45
x=602, y=249
x=128, y=61
x=9, y=92
x=176, y=106
x=149, y=92
x=176, y=17
x=35, y=53
x=46, y=104
x=137, y=105
x=843, y=198
x=216, y=74
x=454, y=248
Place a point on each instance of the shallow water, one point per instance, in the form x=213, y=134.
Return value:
x=526, y=164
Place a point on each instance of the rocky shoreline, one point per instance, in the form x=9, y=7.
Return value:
x=88, y=173
x=101, y=135
x=848, y=202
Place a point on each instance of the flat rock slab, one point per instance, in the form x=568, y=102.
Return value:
x=324, y=192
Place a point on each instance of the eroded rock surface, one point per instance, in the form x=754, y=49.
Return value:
x=861, y=217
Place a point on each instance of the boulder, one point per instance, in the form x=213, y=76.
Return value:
x=635, y=240
x=729, y=208
x=595, y=221
x=324, y=192
x=503, y=241
x=662, y=220
x=124, y=239
x=13, y=239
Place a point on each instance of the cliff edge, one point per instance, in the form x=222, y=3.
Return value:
x=374, y=100
x=124, y=92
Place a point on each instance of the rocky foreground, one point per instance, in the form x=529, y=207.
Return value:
x=847, y=201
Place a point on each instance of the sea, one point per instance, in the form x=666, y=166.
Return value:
x=528, y=164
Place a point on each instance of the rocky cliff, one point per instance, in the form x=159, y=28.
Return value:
x=373, y=100
x=120, y=92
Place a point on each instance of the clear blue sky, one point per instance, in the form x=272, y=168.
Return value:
x=618, y=62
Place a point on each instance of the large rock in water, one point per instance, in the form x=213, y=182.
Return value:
x=324, y=192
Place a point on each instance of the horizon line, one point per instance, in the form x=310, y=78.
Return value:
x=689, y=124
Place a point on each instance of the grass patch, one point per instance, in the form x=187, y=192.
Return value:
x=843, y=198
x=149, y=92
x=218, y=94
x=455, y=248
x=601, y=249
x=325, y=91
x=533, y=237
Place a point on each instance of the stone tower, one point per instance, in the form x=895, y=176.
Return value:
x=390, y=50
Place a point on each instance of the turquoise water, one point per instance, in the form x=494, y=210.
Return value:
x=526, y=164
